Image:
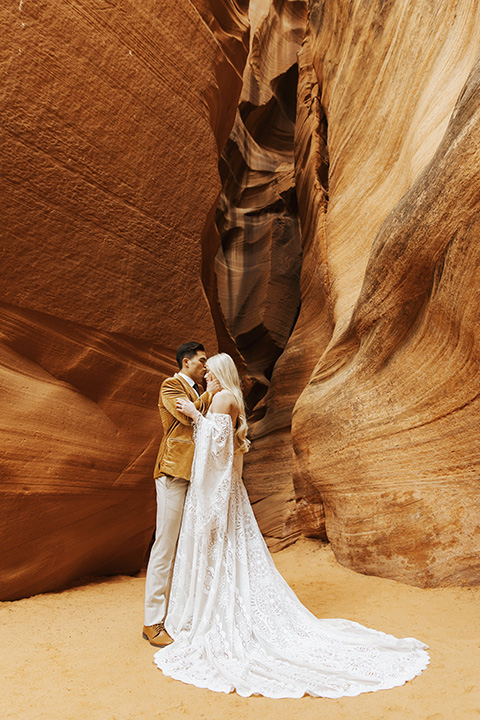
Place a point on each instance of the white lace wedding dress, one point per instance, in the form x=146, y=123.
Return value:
x=236, y=623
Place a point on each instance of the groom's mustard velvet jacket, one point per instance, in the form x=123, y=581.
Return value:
x=176, y=449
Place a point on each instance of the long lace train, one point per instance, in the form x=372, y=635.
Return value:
x=236, y=623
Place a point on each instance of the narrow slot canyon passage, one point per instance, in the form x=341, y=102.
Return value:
x=295, y=184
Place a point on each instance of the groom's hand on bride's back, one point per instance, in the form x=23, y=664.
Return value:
x=213, y=386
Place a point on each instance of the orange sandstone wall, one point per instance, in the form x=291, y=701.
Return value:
x=112, y=117
x=386, y=428
x=259, y=262
x=381, y=366
x=346, y=274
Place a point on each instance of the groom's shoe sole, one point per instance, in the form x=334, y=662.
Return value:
x=160, y=640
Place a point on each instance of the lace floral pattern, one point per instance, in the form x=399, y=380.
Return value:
x=236, y=623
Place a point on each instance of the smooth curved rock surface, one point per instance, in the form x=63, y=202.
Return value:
x=385, y=344
x=386, y=429
x=111, y=125
x=347, y=272
x=259, y=261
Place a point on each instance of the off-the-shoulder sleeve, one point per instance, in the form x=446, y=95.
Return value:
x=212, y=465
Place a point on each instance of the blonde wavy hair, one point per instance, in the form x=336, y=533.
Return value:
x=224, y=369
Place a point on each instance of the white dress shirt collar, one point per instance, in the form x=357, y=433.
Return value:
x=188, y=379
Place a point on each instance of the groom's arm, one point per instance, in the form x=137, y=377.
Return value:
x=173, y=390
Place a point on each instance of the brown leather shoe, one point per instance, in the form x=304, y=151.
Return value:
x=156, y=635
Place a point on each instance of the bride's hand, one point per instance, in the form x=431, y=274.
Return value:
x=213, y=386
x=187, y=408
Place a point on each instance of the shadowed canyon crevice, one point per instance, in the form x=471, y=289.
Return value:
x=382, y=361
x=295, y=183
x=260, y=258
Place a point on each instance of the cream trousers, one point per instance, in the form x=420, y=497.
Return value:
x=170, y=501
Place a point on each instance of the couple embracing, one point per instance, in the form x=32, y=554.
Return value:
x=224, y=618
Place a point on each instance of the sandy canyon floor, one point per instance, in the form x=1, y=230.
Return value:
x=79, y=654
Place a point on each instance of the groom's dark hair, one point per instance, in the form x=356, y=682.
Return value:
x=188, y=350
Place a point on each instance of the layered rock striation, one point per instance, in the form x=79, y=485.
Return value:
x=385, y=429
x=111, y=125
x=259, y=261
x=382, y=357
x=334, y=255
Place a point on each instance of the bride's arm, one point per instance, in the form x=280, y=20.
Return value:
x=223, y=403
x=191, y=409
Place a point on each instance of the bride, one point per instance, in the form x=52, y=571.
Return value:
x=235, y=622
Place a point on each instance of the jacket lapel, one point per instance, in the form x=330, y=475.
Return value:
x=192, y=395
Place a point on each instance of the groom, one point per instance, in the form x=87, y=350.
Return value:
x=172, y=473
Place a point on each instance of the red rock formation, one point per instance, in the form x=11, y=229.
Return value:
x=291, y=510
x=258, y=265
x=111, y=124
x=386, y=158
x=386, y=429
